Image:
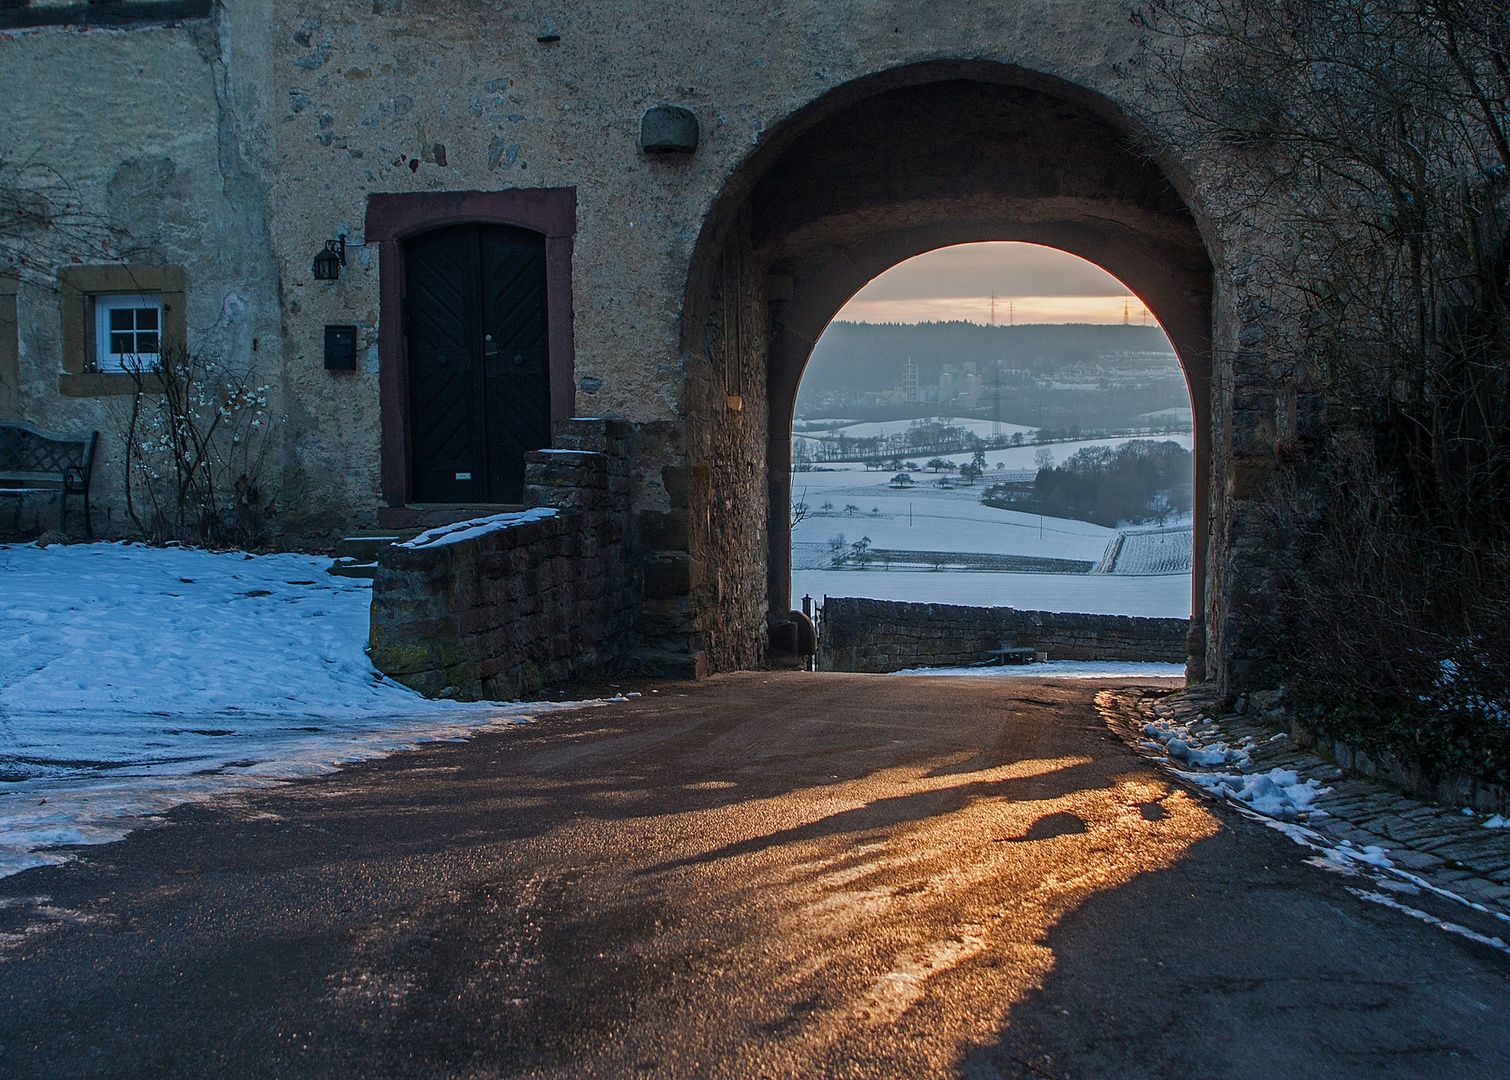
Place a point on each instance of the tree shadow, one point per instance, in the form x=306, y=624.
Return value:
x=1242, y=961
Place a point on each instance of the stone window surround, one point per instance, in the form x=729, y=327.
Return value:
x=394, y=218
x=10, y=351
x=92, y=13
x=80, y=284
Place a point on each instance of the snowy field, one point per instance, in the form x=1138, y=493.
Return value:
x=1010, y=458
x=929, y=518
x=135, y=679
x=985, y=429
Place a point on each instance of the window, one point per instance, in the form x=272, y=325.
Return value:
x=116, y=317
x=128, y=331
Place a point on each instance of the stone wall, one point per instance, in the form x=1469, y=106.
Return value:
x=501, y=606
x=886, y=635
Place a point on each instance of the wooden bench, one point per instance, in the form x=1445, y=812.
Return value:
x=37, y=462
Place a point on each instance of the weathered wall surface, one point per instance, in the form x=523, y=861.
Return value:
x=146, y=146
x=547, y=599
x=235, y=145
x=886, y=635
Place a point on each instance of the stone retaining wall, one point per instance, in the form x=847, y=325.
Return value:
x=500, y=607
x=885, y=635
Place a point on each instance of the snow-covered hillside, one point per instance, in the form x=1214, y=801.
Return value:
x=859, y=504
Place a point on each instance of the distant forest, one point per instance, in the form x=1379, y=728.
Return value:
x=1118, y=371
x=1141, y=480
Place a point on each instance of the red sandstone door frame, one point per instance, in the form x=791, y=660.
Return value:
x=394, y=218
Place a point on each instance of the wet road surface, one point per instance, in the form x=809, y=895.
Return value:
x=764, y=875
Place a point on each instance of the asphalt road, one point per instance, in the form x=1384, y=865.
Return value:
x=765, y=875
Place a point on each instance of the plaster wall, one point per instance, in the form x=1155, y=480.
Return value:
x=152, y=131
x=279, y=118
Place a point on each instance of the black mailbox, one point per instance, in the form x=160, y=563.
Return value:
x=340, y=348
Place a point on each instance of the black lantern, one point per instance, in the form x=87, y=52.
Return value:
x=330, y=260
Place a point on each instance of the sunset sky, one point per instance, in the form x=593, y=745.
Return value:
x=1032, y=284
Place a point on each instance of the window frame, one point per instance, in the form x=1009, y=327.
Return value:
x=105, y=358
x=10, y=349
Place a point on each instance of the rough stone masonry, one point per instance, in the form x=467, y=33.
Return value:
x=507, y=606
x=889, y=635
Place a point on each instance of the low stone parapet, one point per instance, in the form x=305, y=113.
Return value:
x=500, y=606
x=888, y=635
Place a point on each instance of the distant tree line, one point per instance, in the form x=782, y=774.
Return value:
x=1138, y=481
x=937, y=437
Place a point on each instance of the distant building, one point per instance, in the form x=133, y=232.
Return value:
x=910, y=382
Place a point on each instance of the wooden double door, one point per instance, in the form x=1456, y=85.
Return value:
x=479, y=366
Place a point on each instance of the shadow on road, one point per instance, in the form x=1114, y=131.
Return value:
x=775, y=875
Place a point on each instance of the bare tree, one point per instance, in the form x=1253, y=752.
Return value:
x=1361, y=148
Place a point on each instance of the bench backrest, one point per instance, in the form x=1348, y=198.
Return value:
x=27, y=449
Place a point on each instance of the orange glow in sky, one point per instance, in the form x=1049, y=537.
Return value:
x=1032, y=284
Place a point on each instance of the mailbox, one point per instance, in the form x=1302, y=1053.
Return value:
x=340, y=348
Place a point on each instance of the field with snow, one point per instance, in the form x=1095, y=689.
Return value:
x=135, y=679
x=1152, y=575
x=829, y=428
x=1162, y=597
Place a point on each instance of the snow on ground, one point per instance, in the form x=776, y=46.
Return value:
x=921, y=522
x=1156, y=551
x=136, y=678
x=930, y=518
x=1010, y=458
x=1062, y=669
x=1166, y=596
x=1277, y=794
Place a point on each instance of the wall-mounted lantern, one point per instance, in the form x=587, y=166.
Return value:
x=329, y=261
x=668, y=129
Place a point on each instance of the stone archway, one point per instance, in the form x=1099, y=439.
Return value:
x=889, y=167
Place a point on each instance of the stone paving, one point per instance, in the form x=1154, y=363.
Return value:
x=1424, y=846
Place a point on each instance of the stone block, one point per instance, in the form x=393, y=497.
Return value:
x=671, y=575
x=689, y=486
x=663, y=531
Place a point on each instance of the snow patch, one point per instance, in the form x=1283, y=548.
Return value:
x=1276, y=794
x=458, y=531
x=1427, y=917
x=1178, y=742
x=135, y=679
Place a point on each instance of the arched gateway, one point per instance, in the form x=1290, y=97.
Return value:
x=875, y=172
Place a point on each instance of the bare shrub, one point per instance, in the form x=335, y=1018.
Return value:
x=196, y=436
x=42, y=214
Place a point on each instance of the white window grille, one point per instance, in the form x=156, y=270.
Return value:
x=128, y=331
